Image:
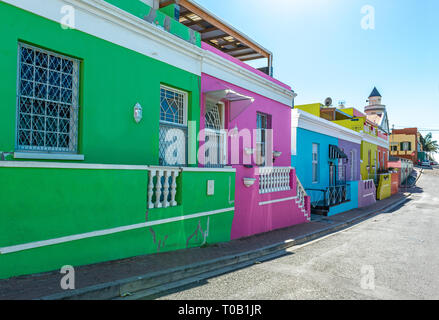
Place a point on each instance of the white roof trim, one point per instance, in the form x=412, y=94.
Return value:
x=375, y=140
x=229, y=71
x=105, y=21
x=308, y=121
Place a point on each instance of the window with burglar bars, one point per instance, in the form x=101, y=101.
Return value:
x=215, y=137
x=263, y=123
x=173, y=127
x=47, y=101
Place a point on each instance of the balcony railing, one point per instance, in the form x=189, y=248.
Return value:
x=329, y=197
x=274, y=179
x=162, y=187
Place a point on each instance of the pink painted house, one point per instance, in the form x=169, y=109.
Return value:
x=246, y=123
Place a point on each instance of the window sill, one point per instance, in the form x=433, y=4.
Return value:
x=48, y=156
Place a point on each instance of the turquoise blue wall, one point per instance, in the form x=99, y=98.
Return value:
x=353, y=204
x=303, y=159
x=303, y=164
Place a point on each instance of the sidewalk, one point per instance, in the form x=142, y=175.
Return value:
x=47, y=284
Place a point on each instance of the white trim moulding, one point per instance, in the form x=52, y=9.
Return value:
x=276, y=201
x=93, y=234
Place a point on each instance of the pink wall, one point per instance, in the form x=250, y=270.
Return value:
x=396, y=182
x=208, y=47
x=250, y=217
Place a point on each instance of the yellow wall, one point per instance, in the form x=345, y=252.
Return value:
x=313, y=108
x=353, y=125
x=384, y=190
x=398, y=138
x=365, y=147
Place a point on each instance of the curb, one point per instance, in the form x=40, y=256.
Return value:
x=149, y=285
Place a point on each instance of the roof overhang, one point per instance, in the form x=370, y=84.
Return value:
x=218, y=33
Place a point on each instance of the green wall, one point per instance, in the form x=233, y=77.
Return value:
x=113, y=80
x=139, y=9
x=41, y=204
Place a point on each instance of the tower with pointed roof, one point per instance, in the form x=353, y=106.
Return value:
x=376, y=111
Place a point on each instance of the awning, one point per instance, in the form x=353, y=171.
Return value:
x=336, y=153
x=227, y=94
x=239, y=102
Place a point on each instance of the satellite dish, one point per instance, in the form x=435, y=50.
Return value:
x=328, y=102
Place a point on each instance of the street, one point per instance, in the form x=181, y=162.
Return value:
x=391, y=256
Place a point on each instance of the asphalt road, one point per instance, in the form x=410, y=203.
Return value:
x=394, y=255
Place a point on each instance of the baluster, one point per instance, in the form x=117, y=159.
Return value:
x=280, y=180
x=158, y=189
x=269, y=181
x=174, y=187
x=150, y=189
x=166, y=189
x=262, y=181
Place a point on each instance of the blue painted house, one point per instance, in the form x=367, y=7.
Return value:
x=327, y=161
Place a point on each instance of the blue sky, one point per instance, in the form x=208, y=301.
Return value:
x=321, y=50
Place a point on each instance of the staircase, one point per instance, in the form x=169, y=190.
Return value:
x=302, y=199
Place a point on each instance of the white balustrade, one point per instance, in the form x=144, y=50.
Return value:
x=274, y=179
x=162, y=187
x=301, y=193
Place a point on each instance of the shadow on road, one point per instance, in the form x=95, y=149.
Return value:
x=203, y=282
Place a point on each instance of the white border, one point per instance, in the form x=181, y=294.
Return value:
x=189, y=169
x=67, y=165
x=48, y=156
x=277, y=200
x=93, y=234
x=308, y=121
x=60, y=165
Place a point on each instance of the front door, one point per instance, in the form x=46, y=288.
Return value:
x=331, y=174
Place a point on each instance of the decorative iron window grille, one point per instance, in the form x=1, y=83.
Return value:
x=173, y=134
x=215, y=137
x=47, y=101
x=213, y=117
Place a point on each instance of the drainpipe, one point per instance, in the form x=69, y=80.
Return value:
x=294, y=97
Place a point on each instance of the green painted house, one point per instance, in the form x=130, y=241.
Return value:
x=100, y=109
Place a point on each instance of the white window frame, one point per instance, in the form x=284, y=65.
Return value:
x=47, y=152
x=183, y=126
x=315, y=162
x=224, y=146
x=185, y=107
x=353, y=164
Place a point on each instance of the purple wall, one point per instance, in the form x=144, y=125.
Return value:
x=366, y=193
x=347, y=147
